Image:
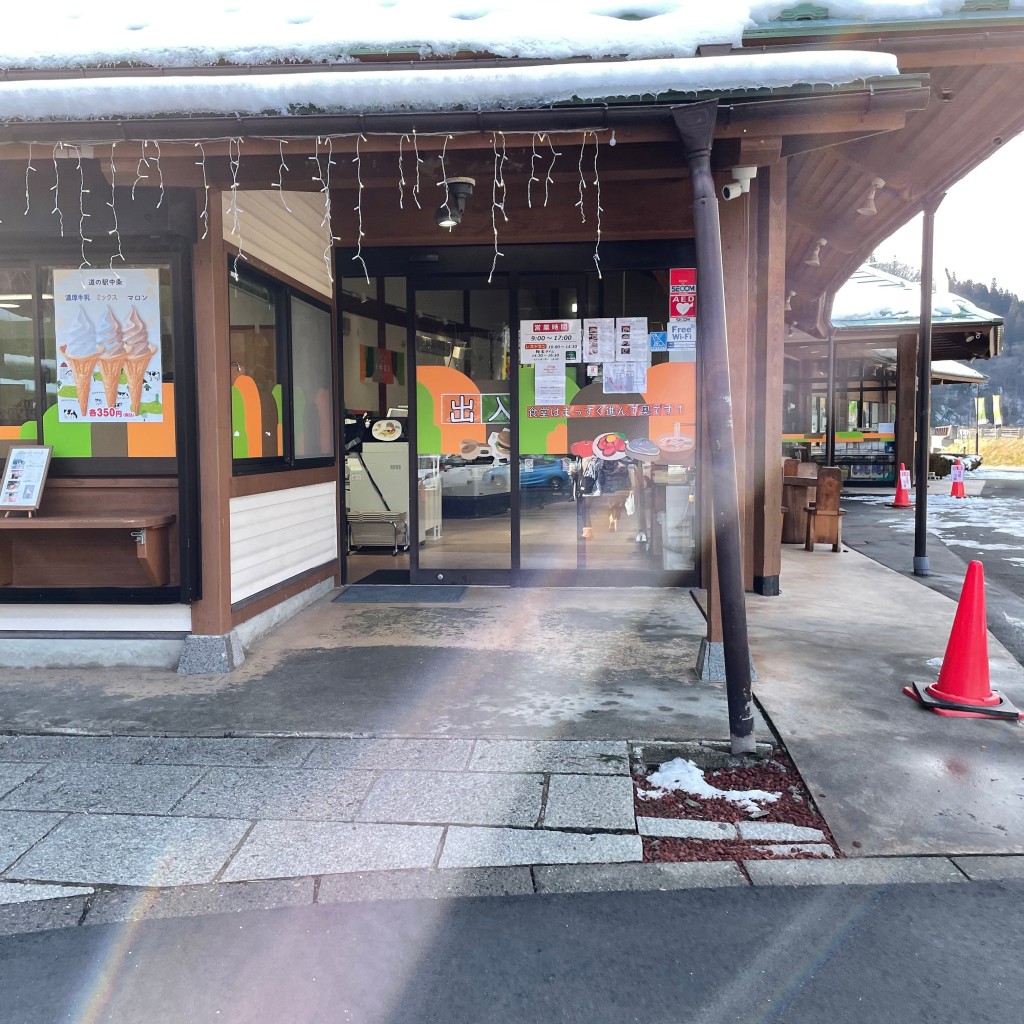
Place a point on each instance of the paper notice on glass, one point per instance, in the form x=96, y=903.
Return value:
x=549, y=383
x=632, y=342
x=625, y=378
x=549, y=340
x=599, y=340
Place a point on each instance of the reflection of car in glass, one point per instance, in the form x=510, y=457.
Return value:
x=549, y=473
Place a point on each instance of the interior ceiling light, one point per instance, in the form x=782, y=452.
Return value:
x=867, y=207
x=812, y=258
x=449, y=213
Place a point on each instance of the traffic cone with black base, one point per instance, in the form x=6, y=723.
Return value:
x=963, y=689
x=902, y=499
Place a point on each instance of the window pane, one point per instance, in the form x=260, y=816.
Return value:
x=17, y=356
x=255, y=385
x=312, y=381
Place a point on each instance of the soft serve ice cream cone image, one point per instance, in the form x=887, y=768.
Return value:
x=112, y=355
x=139, y=352
x=82, y=352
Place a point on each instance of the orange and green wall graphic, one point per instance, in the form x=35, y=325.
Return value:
x=451, y=408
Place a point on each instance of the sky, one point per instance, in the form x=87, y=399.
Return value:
x=979, y=228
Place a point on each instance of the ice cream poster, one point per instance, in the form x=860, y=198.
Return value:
x=108, y=345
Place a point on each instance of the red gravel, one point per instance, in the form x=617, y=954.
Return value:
x=776, y=775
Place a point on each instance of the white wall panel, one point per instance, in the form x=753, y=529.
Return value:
x=292, y=243
x=279, y=534
x=97, y=618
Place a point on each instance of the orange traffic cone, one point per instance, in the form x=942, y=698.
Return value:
x=963, y=687
x=902, y=499
x=957, y=473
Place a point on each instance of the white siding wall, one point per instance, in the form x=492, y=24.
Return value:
x=114, y=618
x=279, y=534
x=292, y=243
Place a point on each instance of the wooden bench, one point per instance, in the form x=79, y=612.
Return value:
x=824, y=516
x=396, y=520
x=150, y=533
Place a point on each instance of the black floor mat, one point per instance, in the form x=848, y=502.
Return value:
x=400, y=595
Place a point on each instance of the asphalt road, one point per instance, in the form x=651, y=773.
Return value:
x=988, y=528
x=853, y=955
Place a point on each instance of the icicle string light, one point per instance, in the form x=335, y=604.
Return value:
x=444, y=178
x=139, y=176
x=598, y=211
x=29, y=168
x=401, y=173
x=583, y=182
x=497, y=183
x=324, y=177
x=419, y=161
x=115, y=230
x=235, y=162
x=82, y=215
x=548, y=180
x=55, y=189
x=160, y=175
x=534, y=157
x=358, y=258
x=205, y=215
x=281, y=168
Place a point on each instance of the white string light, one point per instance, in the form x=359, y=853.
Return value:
x=139, y=176
x=597, y=187
x=115, y=231
x=82, y=215
x=583, y=182
x=444, y=178
x=534, y=157
x=497, y=182
x=205, y=215
x=55, y=189
x=324, y=177
x=419, y=160
x=160, y=174
x=281, y=168
x=548, y=180
x=401, y=173
x=28, y=168
x=359, y=209
x=234, y=162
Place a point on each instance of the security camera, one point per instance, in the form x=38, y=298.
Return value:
x=732, y=191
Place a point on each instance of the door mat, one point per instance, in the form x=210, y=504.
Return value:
x=400, y=595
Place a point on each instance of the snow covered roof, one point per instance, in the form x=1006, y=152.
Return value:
x=194, y=33
x=874, y=298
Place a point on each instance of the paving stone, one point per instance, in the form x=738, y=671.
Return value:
x=854, y=871
x=495, y=847
x=41, y=915
x=779, y=832
x=783, y=850
x=12, y=775
x=132, y=850
x=991, y=869
x=591, y=757
x=198, y=900
x=282, y=849
x=637, y=877
x=297, y=793
x=685, y=828
x=454, y=797
x=589, y=801
x=98, y=789
x=90, y=749
x=425, y=885
x=19, y=830
x=26, y=892
x=228, y=752
x=440, y=755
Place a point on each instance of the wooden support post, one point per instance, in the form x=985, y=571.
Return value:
x=766, y=383
x=211, y=615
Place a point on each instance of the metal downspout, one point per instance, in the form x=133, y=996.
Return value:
x=924, y=390
x=696, y=126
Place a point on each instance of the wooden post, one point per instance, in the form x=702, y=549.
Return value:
x=211, y=615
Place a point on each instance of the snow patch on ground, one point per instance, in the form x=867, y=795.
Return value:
x=684, y=776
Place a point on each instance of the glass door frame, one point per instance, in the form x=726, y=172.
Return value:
x=438, y=268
